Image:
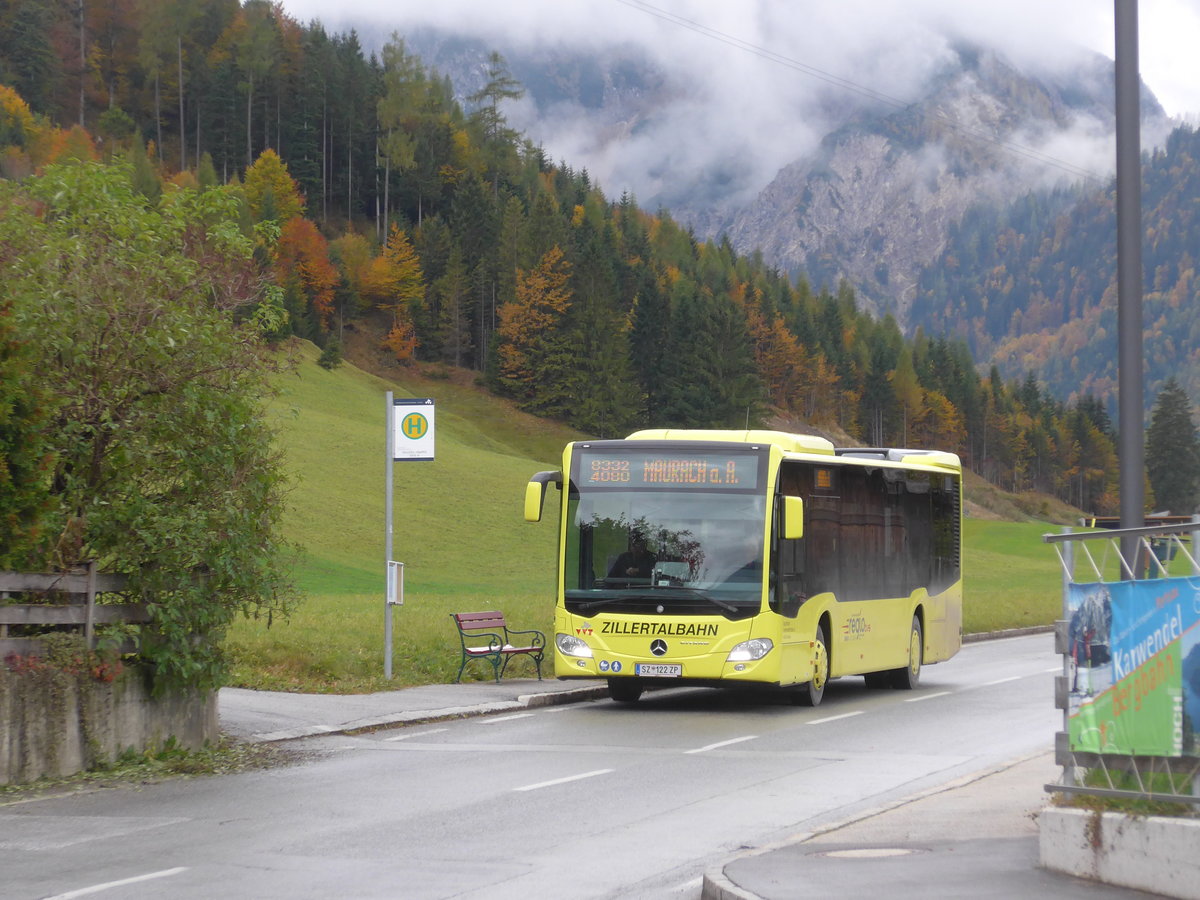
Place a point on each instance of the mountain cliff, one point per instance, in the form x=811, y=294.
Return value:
x=875, y=203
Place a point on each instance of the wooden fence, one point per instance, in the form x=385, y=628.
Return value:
x=66, y=599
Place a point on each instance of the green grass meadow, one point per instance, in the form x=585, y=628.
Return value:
x=459, y=529
x=1011, y=578
x=457, y=526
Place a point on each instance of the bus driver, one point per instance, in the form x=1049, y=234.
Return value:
x=636, y=562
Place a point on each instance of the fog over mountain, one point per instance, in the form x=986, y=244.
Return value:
x=829, y=136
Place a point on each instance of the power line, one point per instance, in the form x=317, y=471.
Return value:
x=846, y=84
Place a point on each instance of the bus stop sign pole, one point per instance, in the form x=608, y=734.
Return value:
x=409, y=438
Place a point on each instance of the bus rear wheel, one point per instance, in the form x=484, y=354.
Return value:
x=812, y=693
x=908, y=677
x=624, y=690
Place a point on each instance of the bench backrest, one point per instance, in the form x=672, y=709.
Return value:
x=480, y=621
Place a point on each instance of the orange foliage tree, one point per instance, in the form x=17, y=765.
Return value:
x=302, y=262
x=394, y=281
x=535, y=352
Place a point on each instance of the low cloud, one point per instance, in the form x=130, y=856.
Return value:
x=754, y=85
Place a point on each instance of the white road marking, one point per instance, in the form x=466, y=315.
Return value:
x=857, y=712
x=97, y=888
x=405, y=737
x=1003, y=680
x=737, y=740
x=927, y=696
x=492, y=720
x=569, y=778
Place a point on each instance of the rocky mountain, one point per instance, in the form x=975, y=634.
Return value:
x=874, y=204
x=1030, y=286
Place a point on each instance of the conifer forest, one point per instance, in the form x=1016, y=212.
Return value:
x=380, y=202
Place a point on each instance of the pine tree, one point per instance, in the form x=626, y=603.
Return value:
x=453, y=328
x=1173, y=451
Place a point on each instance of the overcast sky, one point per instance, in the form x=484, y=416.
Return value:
x=819, y=32
x=885, y=46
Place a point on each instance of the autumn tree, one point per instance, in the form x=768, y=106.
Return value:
x=302, y=265
x=271, y=191
x=536, y=359
x=352, y=253
x=396, y=283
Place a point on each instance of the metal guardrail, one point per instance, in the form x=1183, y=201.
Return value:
x=1156, y=550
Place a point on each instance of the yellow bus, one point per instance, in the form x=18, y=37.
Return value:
x=753, y=558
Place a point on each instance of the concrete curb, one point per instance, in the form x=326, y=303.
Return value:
x=414, y=716
x=717, y=886
x=1007, y=633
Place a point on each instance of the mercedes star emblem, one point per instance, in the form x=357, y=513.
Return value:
x=658, y=648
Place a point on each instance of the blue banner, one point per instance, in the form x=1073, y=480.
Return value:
x=1135, y=667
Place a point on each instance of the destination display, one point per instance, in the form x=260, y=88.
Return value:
x=699, y=471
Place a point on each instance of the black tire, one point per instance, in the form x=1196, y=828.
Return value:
x=908, y=677
x=625, y=690
x=813, y=692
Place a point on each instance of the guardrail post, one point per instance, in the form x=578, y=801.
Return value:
x=1195, y=535
x=1068, y=560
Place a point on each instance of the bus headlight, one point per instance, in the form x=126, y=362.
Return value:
x=755, y=648
x=569, y=645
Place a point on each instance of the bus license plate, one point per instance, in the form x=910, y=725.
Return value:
x=658, y=670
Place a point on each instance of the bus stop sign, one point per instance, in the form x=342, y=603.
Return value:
x=412, y=428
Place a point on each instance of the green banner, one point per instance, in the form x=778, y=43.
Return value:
x=1135, y=667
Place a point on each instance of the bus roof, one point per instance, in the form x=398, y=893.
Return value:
x=804, y=443
x=797, y=443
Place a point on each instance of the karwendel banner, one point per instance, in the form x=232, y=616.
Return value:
x=1135, y=667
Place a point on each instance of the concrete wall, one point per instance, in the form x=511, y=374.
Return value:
x=1148, y=853
x=52, y=724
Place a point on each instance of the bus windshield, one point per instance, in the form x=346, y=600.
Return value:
x=686, y=551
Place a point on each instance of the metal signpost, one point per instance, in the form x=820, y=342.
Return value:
x=409, y=438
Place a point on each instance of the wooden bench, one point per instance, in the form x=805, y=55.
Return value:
x=485, y=635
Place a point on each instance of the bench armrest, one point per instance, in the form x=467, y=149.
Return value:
x=472, y=639
x=538, y=639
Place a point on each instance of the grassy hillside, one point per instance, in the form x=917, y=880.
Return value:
x=458, y=528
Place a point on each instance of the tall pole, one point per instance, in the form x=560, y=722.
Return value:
x=387, y=544
x=1129, y=274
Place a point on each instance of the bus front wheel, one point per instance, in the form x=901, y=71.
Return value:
x=908, y=677
x=624, y=690
x=810, y=694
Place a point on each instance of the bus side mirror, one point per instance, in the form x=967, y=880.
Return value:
x=535, y=494
x=793, y=518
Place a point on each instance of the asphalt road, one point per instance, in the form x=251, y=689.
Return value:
x=592, y=799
